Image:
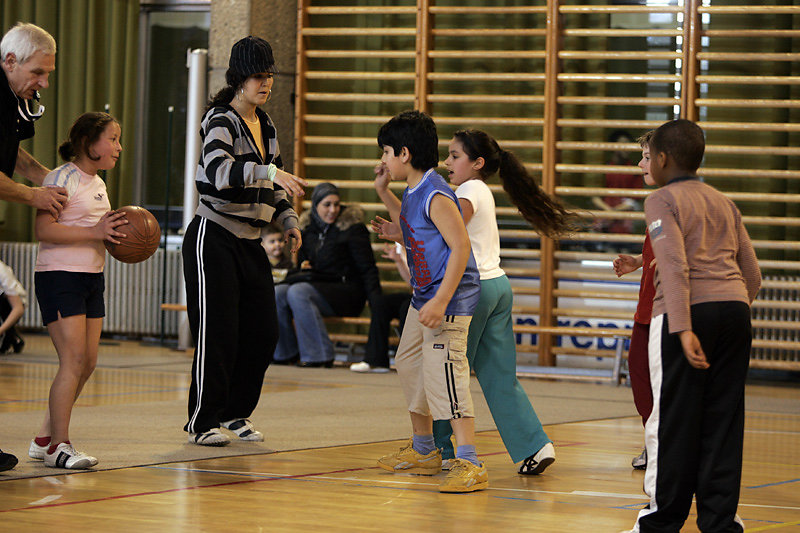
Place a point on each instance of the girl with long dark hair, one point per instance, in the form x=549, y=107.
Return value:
x=474, y=157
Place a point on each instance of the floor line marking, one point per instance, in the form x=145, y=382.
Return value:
x=776, y=526
x=754, y=431
x=104, y=395
x=46, y=500
x=769, y=506
x=773, y=484
x=773, y=413
x=609, y=494
x=327, y=476
x=771, y=432
x=167, y=491
x=324, y=476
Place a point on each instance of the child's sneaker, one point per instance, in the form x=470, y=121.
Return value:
x=363, y=367
x=536, y=463
x=244, y=429
x=212, y=437
x=65, y=456
x=37, y=452
x=465, y=476
x=408, y=460
x=640, y=461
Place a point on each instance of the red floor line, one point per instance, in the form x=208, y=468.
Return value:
x=229, y=483
x=167, y=491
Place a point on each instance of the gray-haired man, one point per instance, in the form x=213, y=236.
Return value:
x=27, y=57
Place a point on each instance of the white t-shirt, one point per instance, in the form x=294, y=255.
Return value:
x=9, y=284
x=482, y=227
x=87, y=201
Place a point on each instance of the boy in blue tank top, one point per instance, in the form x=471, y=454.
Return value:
x=431, y=358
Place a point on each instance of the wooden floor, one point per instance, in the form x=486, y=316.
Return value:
x=591, y=487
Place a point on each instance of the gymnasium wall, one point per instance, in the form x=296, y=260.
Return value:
x=551, y=81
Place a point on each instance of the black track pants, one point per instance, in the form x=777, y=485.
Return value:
x=694, y=434
x=231, y=305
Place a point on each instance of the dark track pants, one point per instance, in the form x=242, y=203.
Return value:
x=382, y=310
x=695, y=432
x=231, y=305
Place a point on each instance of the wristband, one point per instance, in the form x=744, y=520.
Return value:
x=272, y=170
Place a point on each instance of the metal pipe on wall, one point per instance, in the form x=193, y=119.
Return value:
x=197, y=63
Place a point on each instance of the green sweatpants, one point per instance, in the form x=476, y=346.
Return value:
x=492, y=354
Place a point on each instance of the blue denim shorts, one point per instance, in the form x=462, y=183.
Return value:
x=69, y=294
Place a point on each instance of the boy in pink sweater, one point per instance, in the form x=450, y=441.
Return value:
x=706, y=277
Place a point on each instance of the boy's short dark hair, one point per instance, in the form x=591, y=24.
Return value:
x=416, y=131
x=683, y=140
x=272, y=229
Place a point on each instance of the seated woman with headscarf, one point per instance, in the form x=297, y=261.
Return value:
x=336, y=276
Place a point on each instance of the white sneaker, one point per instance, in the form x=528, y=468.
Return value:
x=212, y=437
x=37, y=452
x=244, y=429
x=363, y=366
x=536, y=464
x=65, y=456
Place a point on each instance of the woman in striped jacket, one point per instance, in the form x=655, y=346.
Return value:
x=229, y=292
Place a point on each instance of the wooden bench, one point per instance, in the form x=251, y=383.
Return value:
x=613, y=376
x=355, y=338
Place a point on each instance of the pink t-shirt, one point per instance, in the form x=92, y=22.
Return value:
x=87, y=201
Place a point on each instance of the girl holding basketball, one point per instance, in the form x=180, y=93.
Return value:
x=491, y=345
x=69, y=276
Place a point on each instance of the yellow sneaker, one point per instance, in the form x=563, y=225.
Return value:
x=465, y=476
x=408, y=460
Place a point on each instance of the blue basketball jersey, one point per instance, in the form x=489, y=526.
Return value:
x=427, y=252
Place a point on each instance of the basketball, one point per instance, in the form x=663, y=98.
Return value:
x=143, y=236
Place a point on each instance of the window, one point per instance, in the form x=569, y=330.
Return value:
x=167, y=31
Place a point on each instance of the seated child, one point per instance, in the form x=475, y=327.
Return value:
x=384, y=308
x=12, y=307
x=274, y=243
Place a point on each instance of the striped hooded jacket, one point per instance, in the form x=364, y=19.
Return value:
x=231, y=178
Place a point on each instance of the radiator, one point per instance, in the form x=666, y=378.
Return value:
x=134, y=293
x=790, y=316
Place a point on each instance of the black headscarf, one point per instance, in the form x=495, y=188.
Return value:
x=320, y=192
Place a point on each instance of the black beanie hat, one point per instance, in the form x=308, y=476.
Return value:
x=251, y=55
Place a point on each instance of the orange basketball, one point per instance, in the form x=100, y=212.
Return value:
x=143, y=235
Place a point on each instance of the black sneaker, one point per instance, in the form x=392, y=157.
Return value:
x=640, y=461
x=7, y=461
x=18, y=345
